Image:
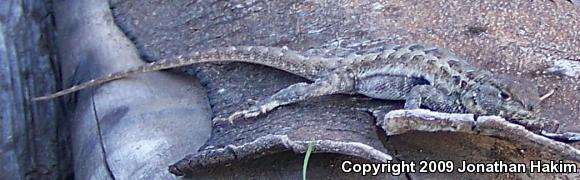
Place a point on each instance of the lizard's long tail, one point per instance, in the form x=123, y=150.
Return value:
x=279, y=58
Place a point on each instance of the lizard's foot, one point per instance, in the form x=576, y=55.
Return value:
x=433, y=99
x=544, y=125
x=377, y=112
x=236, y=115
x=568, y=137
x=284, y=97
x=534, y=124
x=412, y=103
x=336, y=82
x=252, y=112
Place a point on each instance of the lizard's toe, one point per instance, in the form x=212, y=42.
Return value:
x=263, y=110
x=237, y=115
x=217, y=120
x=252, y=114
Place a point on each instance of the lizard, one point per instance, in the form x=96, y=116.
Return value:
x=423, y=76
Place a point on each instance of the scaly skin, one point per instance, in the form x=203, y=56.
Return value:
x=423, y=76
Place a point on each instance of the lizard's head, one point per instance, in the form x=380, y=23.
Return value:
x=514, y=99
x=506, y=95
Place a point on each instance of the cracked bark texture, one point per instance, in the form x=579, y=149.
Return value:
x=519, y=38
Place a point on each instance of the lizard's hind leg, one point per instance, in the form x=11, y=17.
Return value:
x=432, y=98
x=333, y=83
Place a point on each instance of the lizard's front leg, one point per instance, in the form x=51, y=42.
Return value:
x=432, y=98
x=335, y=82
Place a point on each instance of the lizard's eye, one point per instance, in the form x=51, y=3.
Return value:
x=505, y=95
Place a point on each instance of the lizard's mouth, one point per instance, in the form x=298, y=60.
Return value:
x=529, y=119
x=486, y=105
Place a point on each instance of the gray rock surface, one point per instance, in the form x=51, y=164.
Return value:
x=131, y=128
x=33, y=136
x=575, y=2
x=566, y=68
